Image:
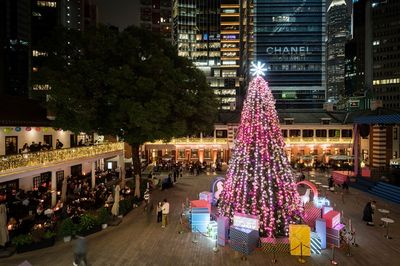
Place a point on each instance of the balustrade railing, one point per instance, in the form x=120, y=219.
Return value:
x=11, y=162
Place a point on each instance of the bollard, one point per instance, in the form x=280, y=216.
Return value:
x=301, y=259
x=333, y=256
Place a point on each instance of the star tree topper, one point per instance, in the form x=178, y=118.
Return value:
x=258, y=70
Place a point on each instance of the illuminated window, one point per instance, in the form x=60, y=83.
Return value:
x=46, y=4
x=41, y=87
x=36, y=53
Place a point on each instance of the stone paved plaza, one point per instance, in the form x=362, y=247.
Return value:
x=139, y=240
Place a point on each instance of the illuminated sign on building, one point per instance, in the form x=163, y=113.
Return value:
x=302, y=50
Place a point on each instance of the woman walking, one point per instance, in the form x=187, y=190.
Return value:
x=159, y=212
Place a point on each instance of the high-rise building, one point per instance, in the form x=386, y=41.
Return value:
x=46, y=17
x=350, y=68
x=338, y=32
x=361, y=22
x=230, y=52
x=246, y=43
x=386, y=52
x=78, y=14
x=289, y=37
x=196, y=34
x=15, y=37
x=156, y=16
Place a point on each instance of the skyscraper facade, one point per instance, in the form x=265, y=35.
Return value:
x=46, y=17
x=15, y=42
x=386, y=52
x=156, y=16
x=197, y=36
x=230, y=52
x=338, y=32
x=289, y=37
x=78, y=14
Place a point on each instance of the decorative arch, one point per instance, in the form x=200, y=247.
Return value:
x=216, y=187
x=311, y=186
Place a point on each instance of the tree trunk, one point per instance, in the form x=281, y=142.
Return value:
x=137, y=168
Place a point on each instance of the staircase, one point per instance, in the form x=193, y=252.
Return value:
x=386, y=191
x=363, y=184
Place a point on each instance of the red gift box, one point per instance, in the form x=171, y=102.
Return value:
x=332, y=219
x=200, y=204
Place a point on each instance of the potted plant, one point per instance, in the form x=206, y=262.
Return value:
x=22, y=242
x=67, y=229
x=103, y=217
x=88, y=224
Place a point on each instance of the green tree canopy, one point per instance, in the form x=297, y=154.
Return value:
x=130, y=83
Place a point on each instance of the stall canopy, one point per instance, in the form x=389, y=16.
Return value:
x=378, y=119
x=341, y=157
x=127, y=160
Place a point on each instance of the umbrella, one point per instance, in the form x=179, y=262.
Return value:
x=64, y=190
x=3, y=225
x=115, y=207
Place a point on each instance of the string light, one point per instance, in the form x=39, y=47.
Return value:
x=259, y=180
x=41, y=158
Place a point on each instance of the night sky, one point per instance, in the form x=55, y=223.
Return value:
x=120, y=13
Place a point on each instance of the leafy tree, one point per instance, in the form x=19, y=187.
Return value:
x=130, y=83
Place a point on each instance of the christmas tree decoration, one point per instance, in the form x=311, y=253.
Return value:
x=259, y=180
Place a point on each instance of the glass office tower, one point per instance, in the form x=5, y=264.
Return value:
x=289, y=37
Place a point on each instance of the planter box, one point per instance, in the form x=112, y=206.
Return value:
x=91, y=231
x=36, y=245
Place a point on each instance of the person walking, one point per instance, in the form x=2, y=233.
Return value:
x=165, y=212
x=368, y=212
x=159, y=212
x=80, y=252
x=146, y=198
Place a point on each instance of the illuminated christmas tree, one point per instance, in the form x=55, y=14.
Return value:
x=259, y=180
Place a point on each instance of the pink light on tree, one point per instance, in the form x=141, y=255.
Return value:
x=259, y=180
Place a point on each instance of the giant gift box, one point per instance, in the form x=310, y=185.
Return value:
x=315, y=243
x=200, y=204
x=246, y=221
x=299, y=237
x=326, y=209
x=207, y=196
x=223, y=230
x=200, y=219
x=332, y=219
x=311, y=213
x=333, y=235
x=277, y=245
x=243, y=240
x=212, y=230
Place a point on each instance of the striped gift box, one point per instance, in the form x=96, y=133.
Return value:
x=315, y=243
x=311, y=214
x=333, y=235
x=243, y=240
x=277, y=245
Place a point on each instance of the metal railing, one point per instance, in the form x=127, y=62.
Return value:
x=11, y=162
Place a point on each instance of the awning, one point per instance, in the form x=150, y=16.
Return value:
x=341, y=157
x=127, y=160
x=378, y=119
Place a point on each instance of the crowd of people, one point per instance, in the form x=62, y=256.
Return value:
x=25, y=209
x=35, y=147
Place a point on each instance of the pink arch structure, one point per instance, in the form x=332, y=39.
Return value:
x=310, y=185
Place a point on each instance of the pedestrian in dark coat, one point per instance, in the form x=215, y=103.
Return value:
x=80, y=251
x=369, y=212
